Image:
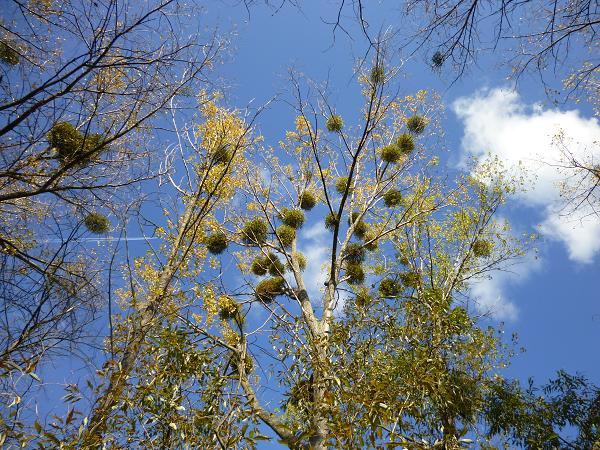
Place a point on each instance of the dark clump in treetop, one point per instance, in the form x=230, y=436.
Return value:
x=360, y=227
x=97, y=223
x=308, y=200
x=229, y=309
x=389, y=288
x=435, y=296
x=405, y=143
x=269, y=263
x=363, y=298
x=340, y=185
x=355, y=273
x=354, y=253
x=286, y=234
x=437, y=60
x=377, y=74
x=371, y=244
x=392, y=198
x=410, y=279
x=221, y=155
x=255, y=231
x=8, y=54
x=331, y=220
x=275, y=266
x=482, y=248
x=268, y=289
x=292, y=217
x=259, y=266
x=216, y=243
x=300, y=259
x=65, y=139
x=335, y=124
x=71, y=145
x=416, y=124
x=391, y=154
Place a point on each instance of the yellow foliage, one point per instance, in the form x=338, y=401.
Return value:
x=211, y=302
x=302, y=126
x=230, y=336
x=221, y=127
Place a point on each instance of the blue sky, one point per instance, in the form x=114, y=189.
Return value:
x=551, y=301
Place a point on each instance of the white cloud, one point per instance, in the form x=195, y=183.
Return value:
x=579, y=231
x=490, y=293
x=491, y=299
x=499, y=124
x=315, y=244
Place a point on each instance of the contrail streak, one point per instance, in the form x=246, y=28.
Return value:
x=104, y=239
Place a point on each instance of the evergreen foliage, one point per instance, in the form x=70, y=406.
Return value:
x=259, y=266
x=482, y=248
x=70, y=144
x=255, y=231
x=416, y=124
x=275, y=266
x=362, y=298
x=393, y=363
x=221, y=155
x=286, y=234
x=216, y=243
x=229, y=309
x=370, y=243
x=354, y=253
x=405, y=143
x=268, y=289
x=97, y=223
x=308, y=200
x=335, y=124
x=292, y=217
x=361, y=228
x=301, y=259
x=391, y=154
x=389, y=288
x=340, y=185
x=377, y=74
x=410, y=279
x=392, y=198
x=355, y=273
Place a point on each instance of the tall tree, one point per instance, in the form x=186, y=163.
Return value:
x=383, y=350
x=213, y=153
x=82, y=88
x=235, y=323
